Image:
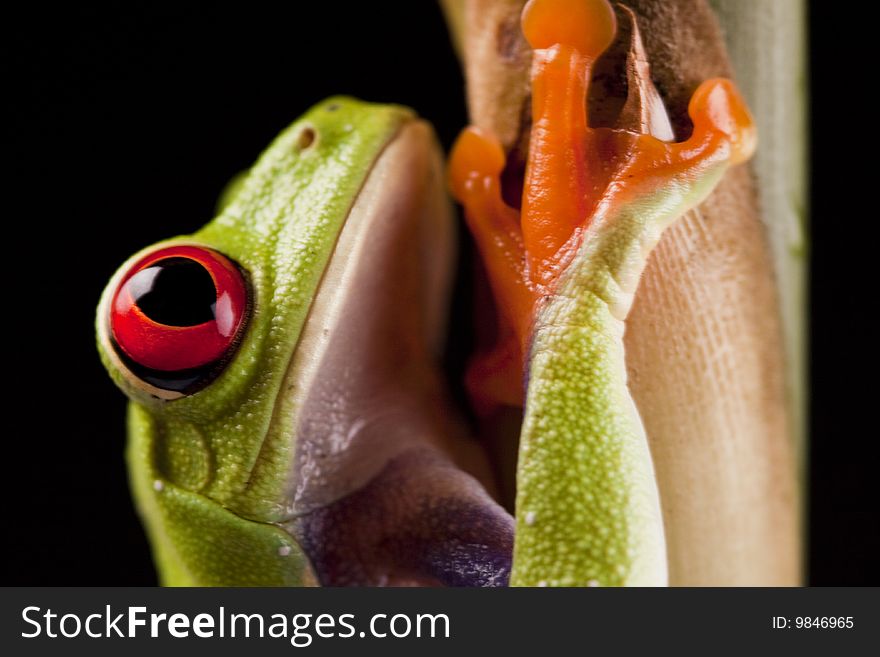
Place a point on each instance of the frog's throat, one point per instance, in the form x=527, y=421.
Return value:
x=341, y=374
x=381, y=461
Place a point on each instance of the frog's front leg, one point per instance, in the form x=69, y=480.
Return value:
x=564, y=271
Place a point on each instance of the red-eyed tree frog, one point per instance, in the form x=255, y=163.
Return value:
x=287, y=423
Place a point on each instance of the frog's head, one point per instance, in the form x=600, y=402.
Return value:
x=287, y=417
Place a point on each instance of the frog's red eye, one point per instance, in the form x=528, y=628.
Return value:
x=177, y=315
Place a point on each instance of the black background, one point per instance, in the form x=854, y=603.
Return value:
x=127, y=122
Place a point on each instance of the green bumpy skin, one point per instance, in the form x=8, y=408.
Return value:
x=197, y=542
x=208, y=470
x=587, y=505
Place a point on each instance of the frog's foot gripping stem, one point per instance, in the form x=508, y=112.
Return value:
x=563, y=271
x=576, y=174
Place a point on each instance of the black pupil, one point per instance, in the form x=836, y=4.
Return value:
x=175, y=292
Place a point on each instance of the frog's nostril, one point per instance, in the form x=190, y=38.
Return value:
x=305, y=138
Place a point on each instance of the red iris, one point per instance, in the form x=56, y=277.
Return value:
x=179, y=308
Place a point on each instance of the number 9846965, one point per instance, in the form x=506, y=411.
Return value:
x=823, y=622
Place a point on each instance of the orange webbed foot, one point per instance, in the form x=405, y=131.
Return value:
x=575, y=172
